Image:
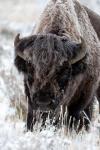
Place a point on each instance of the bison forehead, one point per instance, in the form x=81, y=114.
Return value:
x=48, y=48
x=48, y=53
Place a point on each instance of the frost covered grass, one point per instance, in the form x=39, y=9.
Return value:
x=12, y=100
x=13, y=136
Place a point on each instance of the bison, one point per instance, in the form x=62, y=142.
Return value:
x=60, y=62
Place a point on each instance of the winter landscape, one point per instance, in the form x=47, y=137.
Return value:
x=14, y=19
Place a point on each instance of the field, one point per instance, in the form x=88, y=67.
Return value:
x=14, y=19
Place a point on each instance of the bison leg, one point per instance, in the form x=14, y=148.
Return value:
x=30, y=110
x=31, y=117
x=98, y=96
x=84, y=103
x=88, y=114
x=77, y=120
x=30, y=121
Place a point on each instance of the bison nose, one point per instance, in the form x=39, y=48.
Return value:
x=43, y=102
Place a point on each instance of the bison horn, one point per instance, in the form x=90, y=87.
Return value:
x=17, y=39
x=80, y=52
x=22, y=47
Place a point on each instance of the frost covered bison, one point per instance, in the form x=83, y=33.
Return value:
x=60, y=62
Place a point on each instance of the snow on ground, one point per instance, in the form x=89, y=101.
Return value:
x=13, y=19
x=13, y=138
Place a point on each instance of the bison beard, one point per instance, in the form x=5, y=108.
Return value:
x=57, y=71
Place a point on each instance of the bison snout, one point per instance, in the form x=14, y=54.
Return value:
x=42, y=102
x=43, y=99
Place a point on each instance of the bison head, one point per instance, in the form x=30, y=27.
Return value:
x=48, y=63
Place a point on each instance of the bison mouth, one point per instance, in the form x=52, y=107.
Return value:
x=48, y=109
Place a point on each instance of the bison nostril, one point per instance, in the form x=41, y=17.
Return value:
x=43, y=102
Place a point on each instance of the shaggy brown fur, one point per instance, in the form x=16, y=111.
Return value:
x=60, y=68
x=95, y=20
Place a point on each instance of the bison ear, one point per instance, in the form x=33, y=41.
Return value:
x=79, y=52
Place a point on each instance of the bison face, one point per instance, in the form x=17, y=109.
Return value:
x=47, y=63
